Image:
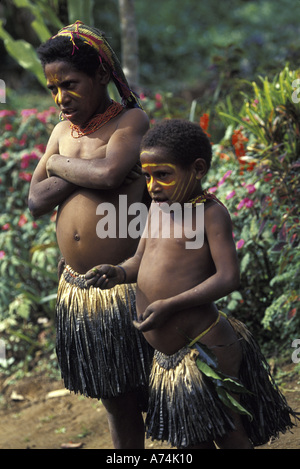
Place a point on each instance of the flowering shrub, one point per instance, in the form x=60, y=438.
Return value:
x=254, y=172
x=28, y=250
x=257, y=178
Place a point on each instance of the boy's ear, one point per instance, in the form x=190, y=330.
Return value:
x=200, y=166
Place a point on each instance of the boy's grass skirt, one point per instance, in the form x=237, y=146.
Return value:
x=100, y=353
x=186, y=405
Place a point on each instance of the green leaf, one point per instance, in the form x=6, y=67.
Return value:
x=206, y=370
x=24, y=53
x=232, y=403
x=81, y=10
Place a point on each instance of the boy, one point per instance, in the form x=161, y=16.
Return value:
x=91, y=158
x=176, y=290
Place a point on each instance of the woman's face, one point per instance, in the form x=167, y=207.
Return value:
x=78, y=95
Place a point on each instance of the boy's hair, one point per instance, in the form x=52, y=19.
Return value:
x=184, y=140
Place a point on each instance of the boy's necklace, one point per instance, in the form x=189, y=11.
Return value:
x=97, y=121
x=202, y=198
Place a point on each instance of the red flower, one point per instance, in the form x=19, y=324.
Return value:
x=22, y=220
x=238, y=140
x=204, y=123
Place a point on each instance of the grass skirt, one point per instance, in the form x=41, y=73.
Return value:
x=185, y=408
x=100, y=353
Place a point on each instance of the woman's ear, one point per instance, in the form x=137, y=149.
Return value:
x=200, y=167
x=103, y=74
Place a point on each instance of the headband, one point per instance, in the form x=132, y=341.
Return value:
x=94, y=38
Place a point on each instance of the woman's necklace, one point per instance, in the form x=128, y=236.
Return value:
x=97, y=121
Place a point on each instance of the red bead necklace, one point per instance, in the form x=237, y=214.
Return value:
x=97, y=121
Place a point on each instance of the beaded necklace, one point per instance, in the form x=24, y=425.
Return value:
x=202, y=198
x=97, y=121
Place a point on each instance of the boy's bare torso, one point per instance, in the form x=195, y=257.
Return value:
x=167, y=268
x=77, y=220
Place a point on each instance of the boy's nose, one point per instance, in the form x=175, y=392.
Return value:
x=153, y=186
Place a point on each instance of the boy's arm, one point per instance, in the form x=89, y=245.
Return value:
x=108, y=167
x=45, y=192
x=226, y=278
x=107, y=276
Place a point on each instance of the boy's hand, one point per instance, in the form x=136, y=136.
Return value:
x=104, y=276
x=154, y=316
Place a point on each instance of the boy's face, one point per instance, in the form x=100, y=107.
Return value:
x=78, y=95
x=166, y=181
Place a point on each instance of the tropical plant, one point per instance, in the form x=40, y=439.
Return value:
x=260, y=160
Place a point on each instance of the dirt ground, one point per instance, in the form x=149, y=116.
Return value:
x=33, y=417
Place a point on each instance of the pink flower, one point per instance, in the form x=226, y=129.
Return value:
x=223, y=179
x=8, y=127
x=240, y=244
x=6, y=227
x=158, y=103
x=5, y=113
x=22, y=220
x=249, y=203
x=212, y=189
x=230, y=195
x=250, y=188
x=274, y=228
x=5, y=156
x=2, y=254
x=25, y=160
x=25, y=176
x=245, y=202
x=28, y=112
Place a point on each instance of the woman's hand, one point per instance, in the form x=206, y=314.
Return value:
x=104, y=276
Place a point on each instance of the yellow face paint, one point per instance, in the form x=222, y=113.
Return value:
x=180, y=182
x=58, y=97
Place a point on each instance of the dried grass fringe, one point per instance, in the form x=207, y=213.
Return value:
x=101, y=354
x=184, y=409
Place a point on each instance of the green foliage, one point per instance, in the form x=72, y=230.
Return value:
x=24, y=53
x=259, y=165
x=28, y=249
x=254, y=172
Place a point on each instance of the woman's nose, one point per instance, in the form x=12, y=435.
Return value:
x=62, y=96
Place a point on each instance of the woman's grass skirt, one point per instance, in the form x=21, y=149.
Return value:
x=100, y=353
x=186, y=405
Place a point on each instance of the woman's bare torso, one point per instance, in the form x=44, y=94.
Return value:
x=77, y=220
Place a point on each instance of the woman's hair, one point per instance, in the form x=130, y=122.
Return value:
x=60, y=48
x=85, y=48
x=184, y=140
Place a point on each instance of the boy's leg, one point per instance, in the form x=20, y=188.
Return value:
x=229, y=361
x=125, y=421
